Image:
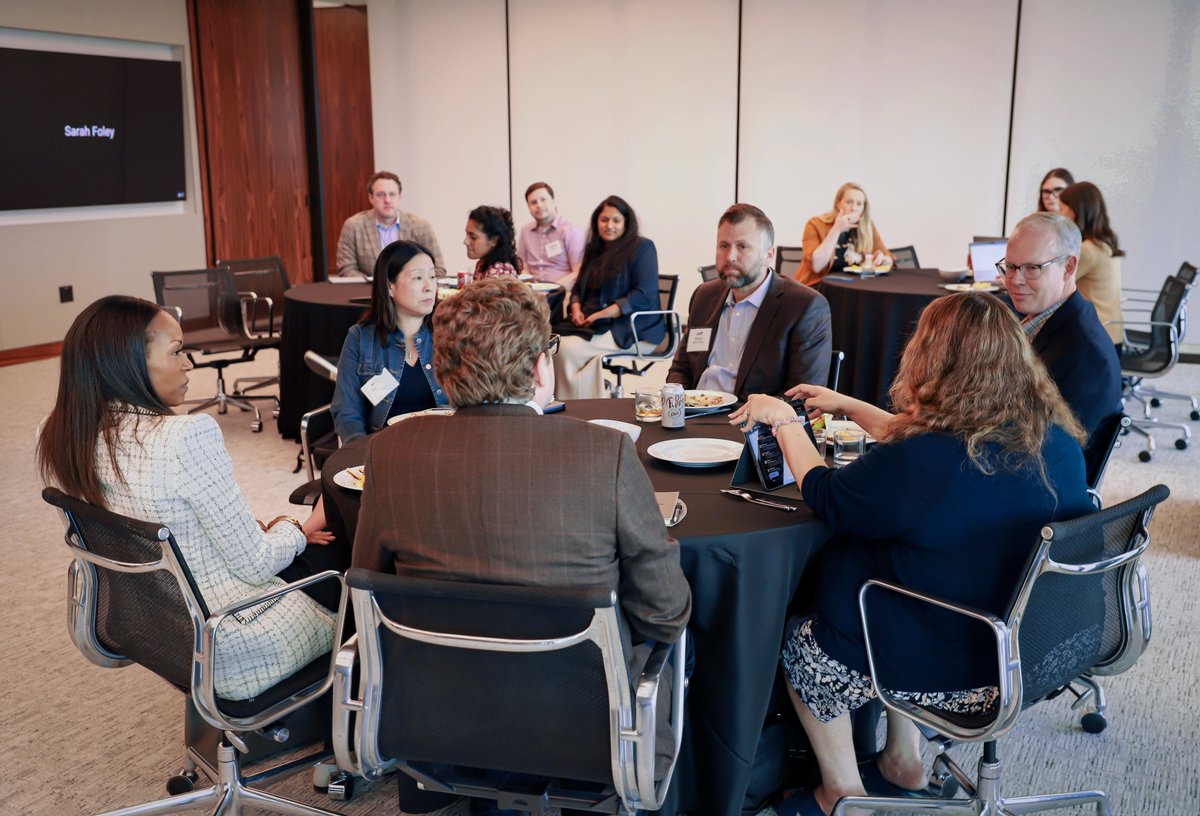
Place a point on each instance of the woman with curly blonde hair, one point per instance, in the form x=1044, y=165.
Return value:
x=981, y=452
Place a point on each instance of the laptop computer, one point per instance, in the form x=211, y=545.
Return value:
x=984, y=257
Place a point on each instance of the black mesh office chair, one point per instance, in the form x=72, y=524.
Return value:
x=1107, y=439
x=788, y=260
x=317, y=437
x=1087, y=565
x=132, y=599
x=620, y=363
x=905, y=257
x=708, y=273
x=1150, y=396
x=260, y=284
x=463, y=685
x=1155, y=358
x=835, y=368
x=209, y=311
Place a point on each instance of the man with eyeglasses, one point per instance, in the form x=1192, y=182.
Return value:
x=365, y=234
x=1039, y=273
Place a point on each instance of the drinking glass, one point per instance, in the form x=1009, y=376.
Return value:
x=647, y=404
x=848, y=445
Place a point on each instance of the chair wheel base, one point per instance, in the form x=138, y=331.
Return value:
x=341, y=787
x=1093, y=722
x=1155, y=402
x=1144, y=456
x=1181, y=444
x=256, y=426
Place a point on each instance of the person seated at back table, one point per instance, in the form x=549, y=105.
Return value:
x=1098, y=275
x=366, y=233
x=982, y=453
x=499, y=494
x=619, y=277
x=113, y=441
x=489, y=242
x=1039, y=273
x=751, y=331
x=550, y=246
x=386, y=365
x=844, y=236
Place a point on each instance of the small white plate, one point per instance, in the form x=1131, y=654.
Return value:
x=832, y=426
x=712, y=400
x=696, y=453
x=970, y=287
x=858, y=270
x=351, y=478
x=440, y=411
x=617, y=425
x=448, y=282
x=544, y=287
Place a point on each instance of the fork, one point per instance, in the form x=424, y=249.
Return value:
x=742, y=494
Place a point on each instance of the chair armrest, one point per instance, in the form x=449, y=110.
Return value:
x=249, y=303
x=646, y=718
x=672, y=326
x=203, y=660
x=1008, y=662
x=344, y=707
x=1146, y=323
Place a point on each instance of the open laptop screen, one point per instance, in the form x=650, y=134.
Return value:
x=984, y=257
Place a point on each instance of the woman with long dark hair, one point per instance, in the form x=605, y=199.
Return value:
x=491, y=242
x=1098, y=275
x=619, y=276
x=982, y=452
x=386, y=366
x=1053, y=183
x=112, y=440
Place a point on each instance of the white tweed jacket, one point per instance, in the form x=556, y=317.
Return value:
x=176, y=471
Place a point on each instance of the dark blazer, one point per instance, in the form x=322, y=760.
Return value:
x=1081, y=358
x=635, y=289
x=916, y=512
x=499, y=494
x=789, y=343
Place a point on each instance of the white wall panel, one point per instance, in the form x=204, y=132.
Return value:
x=1111, y=91
x=636, y=99
x=910, y=100
x=440, y=105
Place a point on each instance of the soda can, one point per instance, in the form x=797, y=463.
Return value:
x=463, y=280
x=672, y=406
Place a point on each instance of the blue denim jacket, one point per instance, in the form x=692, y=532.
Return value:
x=362, y=358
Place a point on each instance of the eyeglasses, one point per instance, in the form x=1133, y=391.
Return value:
x=1028, y=271
x=1052, y=192
x=552, y=345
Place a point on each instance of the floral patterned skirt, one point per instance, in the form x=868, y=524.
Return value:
x=830, y=688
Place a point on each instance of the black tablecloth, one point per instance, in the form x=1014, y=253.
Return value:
x=316, y=317
x=872, y=319
x=744, y=563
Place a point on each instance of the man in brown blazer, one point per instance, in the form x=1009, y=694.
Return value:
x=365, y=234
x=498, y=493
x=751, y=331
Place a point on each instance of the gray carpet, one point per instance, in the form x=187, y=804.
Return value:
x=77, y=739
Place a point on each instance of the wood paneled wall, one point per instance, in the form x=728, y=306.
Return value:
x=344, y=90
x=254, y=156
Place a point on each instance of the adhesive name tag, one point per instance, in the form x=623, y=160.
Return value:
x=380, y=386
x=699, y=339
x=554, y=249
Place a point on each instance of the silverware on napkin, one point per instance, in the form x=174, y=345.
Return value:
x=742, y=494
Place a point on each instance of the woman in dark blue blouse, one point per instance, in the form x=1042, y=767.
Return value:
x=619, y=276
x=982, y=452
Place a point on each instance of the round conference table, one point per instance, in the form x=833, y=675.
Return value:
x=316, y=317
x=744, y=563
x=872, y=319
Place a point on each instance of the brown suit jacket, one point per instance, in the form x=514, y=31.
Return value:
x=499, y=494
x=789, y=343
x=358, y=246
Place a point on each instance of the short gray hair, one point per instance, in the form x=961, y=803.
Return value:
x=1069, y=239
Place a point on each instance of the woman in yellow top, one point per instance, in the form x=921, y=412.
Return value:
x=1098, y=275
x=844, y=236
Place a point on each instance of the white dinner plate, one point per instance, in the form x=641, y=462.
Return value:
x=715, y=399
x=439, y=411
x=448, y=282
x=545, y=287
x=858, y=270
x=351, y=478
x=696, y=453
x=970, y=287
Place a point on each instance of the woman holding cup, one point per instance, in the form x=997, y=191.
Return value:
x=981, y=453
x=844, y=236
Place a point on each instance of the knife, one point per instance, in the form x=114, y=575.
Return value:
x=742, y=494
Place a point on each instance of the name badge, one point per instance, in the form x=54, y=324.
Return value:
x=380, y=386
x=554, y=249
x=699, y=339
